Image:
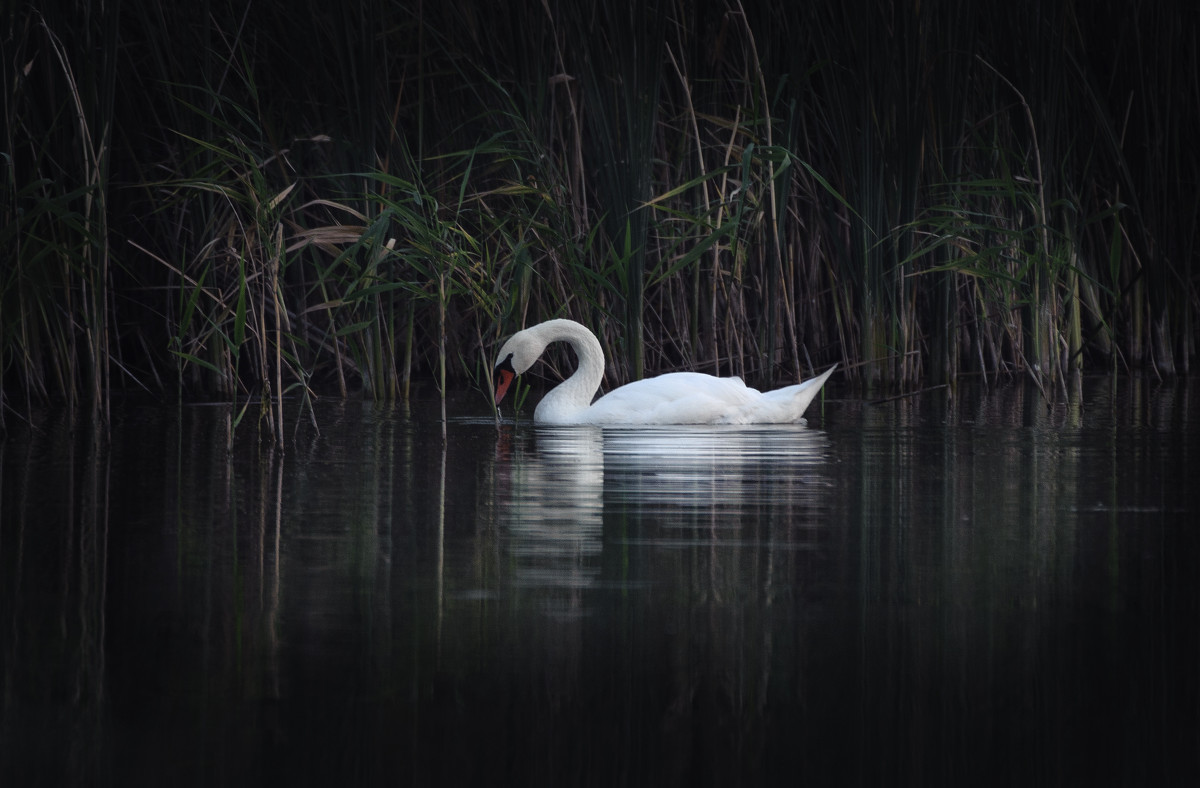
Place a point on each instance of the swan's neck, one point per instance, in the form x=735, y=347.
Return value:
x=576, y=392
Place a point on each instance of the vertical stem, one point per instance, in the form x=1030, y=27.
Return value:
x=694, y=322
x=278, y=250
x=776, y=245
x=406, y=369
x=442, y=347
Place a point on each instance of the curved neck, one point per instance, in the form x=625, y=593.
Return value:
x=576, y=392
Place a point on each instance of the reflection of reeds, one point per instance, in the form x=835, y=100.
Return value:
x=54, y=598
x=374, y=194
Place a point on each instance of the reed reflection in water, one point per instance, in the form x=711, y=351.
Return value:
x=947, y=589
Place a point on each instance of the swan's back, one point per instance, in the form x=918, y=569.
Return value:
x=674, y=398
x=696, y=398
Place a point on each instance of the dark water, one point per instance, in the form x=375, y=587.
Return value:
x=977, y=590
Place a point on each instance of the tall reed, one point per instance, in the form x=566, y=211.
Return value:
x=55, y=335
x=276, y=201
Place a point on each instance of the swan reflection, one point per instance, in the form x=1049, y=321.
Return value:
x=711, y=488
x=554, y=507
x=563, y=481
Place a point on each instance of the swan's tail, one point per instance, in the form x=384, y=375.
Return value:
x=794, y=400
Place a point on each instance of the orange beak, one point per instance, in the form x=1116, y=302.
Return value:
x=503, y=378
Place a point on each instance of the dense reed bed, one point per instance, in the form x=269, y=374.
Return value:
x=270, y=201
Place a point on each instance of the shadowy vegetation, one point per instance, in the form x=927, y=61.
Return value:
x=253, y=201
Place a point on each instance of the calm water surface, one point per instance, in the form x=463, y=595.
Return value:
x=972, y=590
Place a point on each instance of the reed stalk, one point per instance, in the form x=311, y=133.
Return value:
x=373, y=195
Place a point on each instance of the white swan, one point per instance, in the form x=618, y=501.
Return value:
x=674, y=398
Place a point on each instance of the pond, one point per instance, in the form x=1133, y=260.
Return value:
x=973, y=588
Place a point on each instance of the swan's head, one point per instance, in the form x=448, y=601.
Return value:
x=525, y=347
x=516, y=356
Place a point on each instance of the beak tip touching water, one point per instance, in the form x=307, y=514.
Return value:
x=504, y=379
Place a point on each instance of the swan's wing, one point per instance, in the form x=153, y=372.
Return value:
x=674, y=398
